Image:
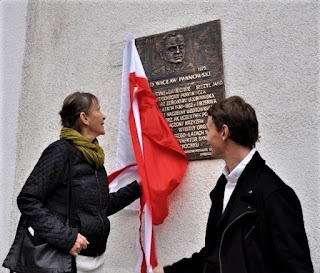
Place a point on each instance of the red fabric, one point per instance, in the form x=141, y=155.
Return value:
x=114, y=175
x=163, y=163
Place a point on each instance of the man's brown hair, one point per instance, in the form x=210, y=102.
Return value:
x=240, y=118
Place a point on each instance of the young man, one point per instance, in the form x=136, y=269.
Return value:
x=255, y=223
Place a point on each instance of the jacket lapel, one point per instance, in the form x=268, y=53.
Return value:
x=242, y=199
x=216, y=197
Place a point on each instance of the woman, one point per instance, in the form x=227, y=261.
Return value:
x=42, y=200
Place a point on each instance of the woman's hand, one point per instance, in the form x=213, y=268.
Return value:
x=81, y=243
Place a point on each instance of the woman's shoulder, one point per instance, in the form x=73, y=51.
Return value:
x=57, y=148
x=55, y=155
x=58, y=144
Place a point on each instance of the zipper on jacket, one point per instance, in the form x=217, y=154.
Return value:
x=205, y=268
x=220, y=247
x=248, y=234
x=96, y=174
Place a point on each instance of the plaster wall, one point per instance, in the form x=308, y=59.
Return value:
x=271, y=58
x=12, y=42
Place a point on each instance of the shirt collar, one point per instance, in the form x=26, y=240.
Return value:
x=237, y=171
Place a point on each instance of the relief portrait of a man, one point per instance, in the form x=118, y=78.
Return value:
x=173, y=51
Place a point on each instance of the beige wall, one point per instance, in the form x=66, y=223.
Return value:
x=12, y=45
x=271, y=58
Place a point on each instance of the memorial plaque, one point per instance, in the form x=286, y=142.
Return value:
x=185, y=71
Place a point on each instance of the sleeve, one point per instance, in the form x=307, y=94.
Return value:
x=194, y=264
x=123, y=197
x=197, y=263
x=288, y=233
x=41, y=184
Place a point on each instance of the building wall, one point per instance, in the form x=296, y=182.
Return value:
x=12, y=42
x=271, y=58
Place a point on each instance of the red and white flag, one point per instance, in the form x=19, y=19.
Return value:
x=147, y=148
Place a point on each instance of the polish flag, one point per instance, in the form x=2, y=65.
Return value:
x=147, y=149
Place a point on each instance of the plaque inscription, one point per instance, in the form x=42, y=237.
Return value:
x=185, y=72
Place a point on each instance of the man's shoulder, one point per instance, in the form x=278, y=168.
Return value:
x=269, y=182
x=268, y=175
x=266, y=179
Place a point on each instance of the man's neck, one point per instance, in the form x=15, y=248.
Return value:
x=234, y=155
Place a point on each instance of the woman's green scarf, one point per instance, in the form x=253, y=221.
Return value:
x=92, y=151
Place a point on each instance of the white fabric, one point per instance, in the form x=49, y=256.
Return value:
x=233, y=177
x=125, y=153
x=137, y=68
x=87, y=264
x=148, y=237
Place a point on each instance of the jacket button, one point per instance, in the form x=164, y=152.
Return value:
x=250, y=192
x=249, y=207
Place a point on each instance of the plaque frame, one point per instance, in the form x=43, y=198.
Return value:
x=185, y=72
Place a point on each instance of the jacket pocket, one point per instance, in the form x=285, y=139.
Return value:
x=210, y=268
x=252, y=229
x=253, y=252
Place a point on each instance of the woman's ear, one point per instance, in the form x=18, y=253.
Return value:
x=83, y=118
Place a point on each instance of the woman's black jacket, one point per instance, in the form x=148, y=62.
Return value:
x=43, y=199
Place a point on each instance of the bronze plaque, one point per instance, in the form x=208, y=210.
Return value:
x=185, y=71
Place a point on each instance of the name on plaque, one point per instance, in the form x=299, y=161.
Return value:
x=185, y=72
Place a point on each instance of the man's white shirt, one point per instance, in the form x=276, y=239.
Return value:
x=232, y=178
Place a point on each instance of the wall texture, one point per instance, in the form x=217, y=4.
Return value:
x=271, y=58
x=12, y=44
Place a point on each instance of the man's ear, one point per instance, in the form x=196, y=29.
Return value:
x=83, y=118
x=225, y=132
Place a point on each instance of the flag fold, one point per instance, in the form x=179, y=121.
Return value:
x=153, y=153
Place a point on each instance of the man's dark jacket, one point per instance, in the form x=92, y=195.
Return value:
x=261, y=230
x=43, y=199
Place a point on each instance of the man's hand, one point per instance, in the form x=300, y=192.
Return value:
x=81, y=243
x=158, y=269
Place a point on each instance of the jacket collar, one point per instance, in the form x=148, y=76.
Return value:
x=242, y=199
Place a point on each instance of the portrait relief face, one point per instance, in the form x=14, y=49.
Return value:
x=174, y=49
